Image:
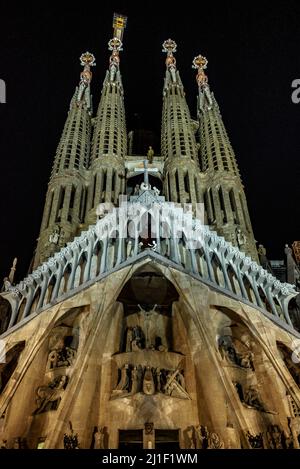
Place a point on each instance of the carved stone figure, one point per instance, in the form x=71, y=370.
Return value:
x=99, y=436
x=214, y=441
x=136, y=189
x=137, y=338
x=262, y=254
x=134, y=380
x=274, y=437
x=6, y=284
x=246, y=360
x=149, y=427
x=158, y=379
x=123, y=384
x=3, y=444
x=240, y=237
x=252, y=399
x=48, y=397
x=63, y=357
x=199, y=436
x=154, y=328
x=150, y=154
x=54, y=236
x=129, y=339
x=228, y=351
x=294, y=426
x=173, y=388
x=71, y=439
x=255, y=441
x=148, y=382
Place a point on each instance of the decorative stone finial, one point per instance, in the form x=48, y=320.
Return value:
x=87, y=60
x=200, y=64
x=169, y=47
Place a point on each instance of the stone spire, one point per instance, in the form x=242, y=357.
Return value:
x=178, y=145
x=64, y=206
x=109, y=145
x=224, y=196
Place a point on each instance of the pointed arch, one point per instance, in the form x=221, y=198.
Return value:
x=218, y=270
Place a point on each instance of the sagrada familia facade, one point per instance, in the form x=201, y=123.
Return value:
x=147, y=320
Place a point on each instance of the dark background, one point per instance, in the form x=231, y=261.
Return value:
x=253, y=51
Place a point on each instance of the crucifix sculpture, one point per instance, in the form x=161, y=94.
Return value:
x=145, y=170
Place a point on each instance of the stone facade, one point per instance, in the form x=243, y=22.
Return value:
x=152, y=339
x=221, y=357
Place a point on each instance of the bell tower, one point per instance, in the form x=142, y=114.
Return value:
x=224, y=195
x=109, y=145
x=182, y=180
x=64, y=205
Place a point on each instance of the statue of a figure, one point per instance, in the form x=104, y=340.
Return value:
x=227, y=349
x=71, y=439
x=62, y=237
x=171, y=64
x=274, y=437
x=6, y=284
x=214, y=441
x=287, y=250
x=251, y=398
x=134, y=380
x=63, y=357
x=173, y=388
x=156, y=191
x=48, y=397
x=114, y=61
x=99, y=436
x=294, y=428
x=150, y=328
x=255, y=441
x=148, y=382
x=54, y=236
x=3, y=444
x=240, y=237
x=246, y=360
x=136, y=343
x=136, y=189
x=262, y=252
x=150, y=154
x=129, y=339
x=158, y=379
x=123, y=384
x=154, y=327
x=199, y=436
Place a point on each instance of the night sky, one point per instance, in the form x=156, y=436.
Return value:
x=253, y=52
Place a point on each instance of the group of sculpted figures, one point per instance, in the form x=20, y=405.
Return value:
x=273, y=438
x=61, y=355
x=249, y=396
x=229, y=352
x=48, y=397
x=146, y=331
x=149, y=380
x=200, y=438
